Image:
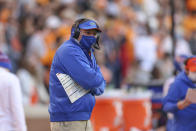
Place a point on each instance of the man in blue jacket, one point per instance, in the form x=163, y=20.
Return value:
x=75, y=58
x=176, y=101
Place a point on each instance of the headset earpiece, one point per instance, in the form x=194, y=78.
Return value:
x=76, y=33
x=76, y=27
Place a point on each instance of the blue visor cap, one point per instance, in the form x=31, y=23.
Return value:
x=89, y=25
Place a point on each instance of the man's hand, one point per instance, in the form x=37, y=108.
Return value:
x=98, y=90
x=183, y=104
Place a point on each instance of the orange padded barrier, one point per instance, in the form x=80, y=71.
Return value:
x=104, y=115
x=122, y=114
x=137, y=114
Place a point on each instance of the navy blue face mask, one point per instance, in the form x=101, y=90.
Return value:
x=87, y=41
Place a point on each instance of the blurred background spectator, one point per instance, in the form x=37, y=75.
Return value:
x=137, y=47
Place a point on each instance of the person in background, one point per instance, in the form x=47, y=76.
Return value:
x=11, y=108
x=176, y=101
x=179, y=66
x=75, y=58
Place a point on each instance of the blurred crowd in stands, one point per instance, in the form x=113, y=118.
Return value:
x=136, y=46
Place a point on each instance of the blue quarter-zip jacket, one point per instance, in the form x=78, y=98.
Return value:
x=184, y=120
x=73, y=59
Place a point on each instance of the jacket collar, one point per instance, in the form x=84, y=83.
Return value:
x=2, y=69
